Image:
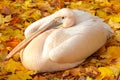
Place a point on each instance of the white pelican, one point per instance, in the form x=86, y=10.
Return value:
x=47, y=50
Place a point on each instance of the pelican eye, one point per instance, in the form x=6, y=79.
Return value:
x=63, y=17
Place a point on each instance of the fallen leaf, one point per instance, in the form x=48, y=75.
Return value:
x=7, y=18
x=89, y=78
x=13, y=66
x=101, y=14
x=91, y=72
x=66, y=73
x=115, y=25
x=115, y=18
x=4, y=20
x=36, y=78
x=105, y=72
x=113, y=52
x=16, y=15
x=118, y=35
x=13, y=42
x=14, y=20
x=20, y=75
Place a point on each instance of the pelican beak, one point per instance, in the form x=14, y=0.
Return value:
x=26, y=41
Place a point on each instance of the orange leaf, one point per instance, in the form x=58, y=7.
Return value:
x=13, y=42
x=14, y=20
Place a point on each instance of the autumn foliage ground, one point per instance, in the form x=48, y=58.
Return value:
x=16, y=15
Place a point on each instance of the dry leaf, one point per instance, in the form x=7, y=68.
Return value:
x=20, y=75
x=13, y=42
x=13, y=66
x=114, y=24
x=105, y=72
x=115, y=18
x=118, y=35
x=16, y=15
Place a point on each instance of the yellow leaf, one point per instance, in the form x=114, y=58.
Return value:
x=114, y=24
x=2, y=46
x=113, y=52
x=18, y=34
x=101, y=0
x=36, y=15
x=74, y=5
x=105, y=3
x=20, y=75
x=4, y=38
x=105, y=71
x=13, y=66
x=89, y=78
x=118, y=65
x=26, y=24
x=7, y=18
x=13, y=77
x=118, y=35
x=8, y=31
x=101, y=14
x=115, y=18
x=26, y=4
x=1, y=19
x=115, y=69
x=109, y=72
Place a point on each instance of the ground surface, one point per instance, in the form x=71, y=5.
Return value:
x=16, y=15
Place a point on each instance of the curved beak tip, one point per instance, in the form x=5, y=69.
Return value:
x=6, y=58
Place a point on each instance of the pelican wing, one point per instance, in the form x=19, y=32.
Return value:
x=76, y=43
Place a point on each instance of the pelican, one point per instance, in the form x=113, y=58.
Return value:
x=47, y=48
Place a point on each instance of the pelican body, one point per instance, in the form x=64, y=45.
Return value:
x=53, y=49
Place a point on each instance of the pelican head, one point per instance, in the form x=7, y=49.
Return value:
x=68, y=17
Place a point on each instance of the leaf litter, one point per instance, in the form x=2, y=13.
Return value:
x=16, y=15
